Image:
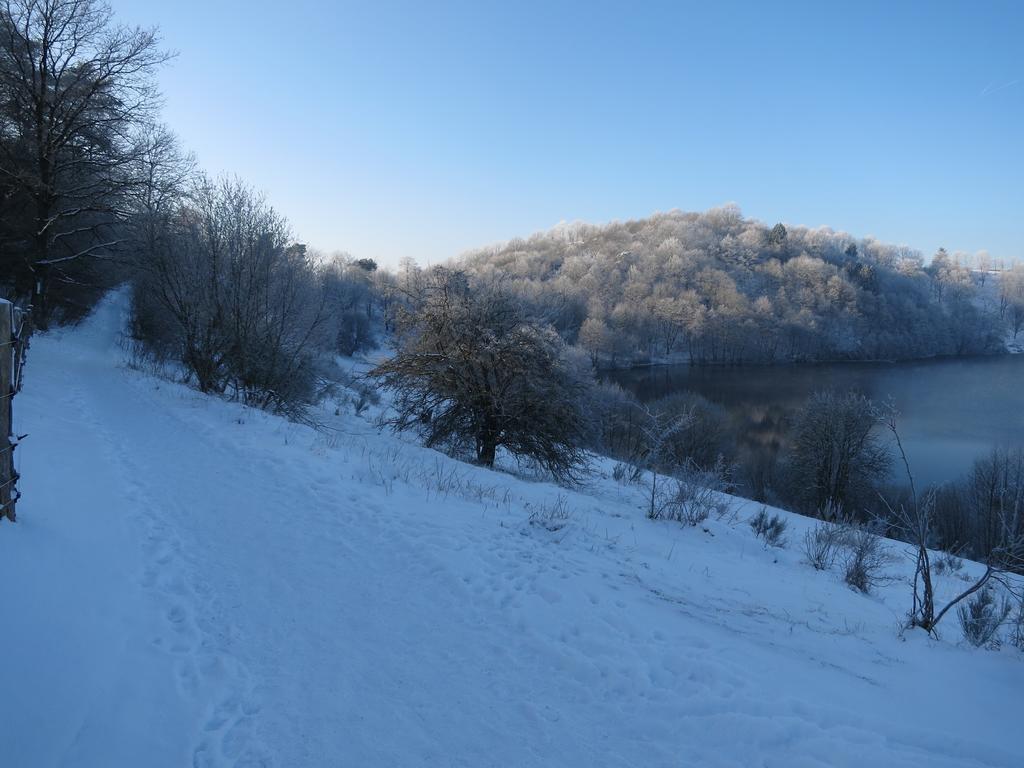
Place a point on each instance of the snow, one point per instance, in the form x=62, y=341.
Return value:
x=192, y=582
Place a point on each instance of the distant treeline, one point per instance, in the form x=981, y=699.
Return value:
x=716, y=287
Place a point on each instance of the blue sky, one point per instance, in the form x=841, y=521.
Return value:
x=393, y=129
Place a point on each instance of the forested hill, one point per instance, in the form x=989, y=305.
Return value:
x=718, y=287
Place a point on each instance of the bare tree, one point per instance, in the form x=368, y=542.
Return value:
x=836, y=458
x=166, y=174
x=240, y=307
x=992, y=494
x=659, y=430
x=75, y=90
x=471, y=368
x=915, y=522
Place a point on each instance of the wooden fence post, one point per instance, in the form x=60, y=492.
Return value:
x=8, y=477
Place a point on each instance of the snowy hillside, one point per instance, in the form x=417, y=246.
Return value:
x=194, y=583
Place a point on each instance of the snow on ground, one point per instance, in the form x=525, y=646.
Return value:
x=194, y=583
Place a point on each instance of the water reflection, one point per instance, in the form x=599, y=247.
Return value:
x=952, y=410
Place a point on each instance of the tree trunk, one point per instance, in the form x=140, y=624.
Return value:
x=37, y=300
x=486, y=452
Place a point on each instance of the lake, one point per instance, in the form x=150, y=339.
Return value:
x=952, y=409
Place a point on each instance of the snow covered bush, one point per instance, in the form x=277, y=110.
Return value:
x=695, y=494
x=823, y=543
x=623, y=473
x=865, y=560
x=981, y=616
x=352, y=390
x=472, y=369
x=947, y=562
x=771, y=529
x=551, y=516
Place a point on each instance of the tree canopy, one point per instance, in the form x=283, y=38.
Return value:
x=718, y=287
x=472, y=370
x=77, y=98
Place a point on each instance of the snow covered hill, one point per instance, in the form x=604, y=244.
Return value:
x=195, y=583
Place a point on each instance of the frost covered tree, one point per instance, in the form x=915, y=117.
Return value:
x=1011, y=295
x=721, y=288
x=777, y=236
x=472, y=370
x=351, y=294
x=76, y=91
x=596, y=339
x=660, y=429
x=983, y=261
x=226, y=293
x=167, y=174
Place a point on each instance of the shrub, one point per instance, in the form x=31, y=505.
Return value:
x=1017, y=633
x=981, y=616
x=947, y=562
x=695, y=495
x=551, y=516
x=474, y=371
x=769, y=528
x=865, y=561
x=822, y=545
x=623, y=473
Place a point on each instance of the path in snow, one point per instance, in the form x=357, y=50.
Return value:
x=251, y=593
